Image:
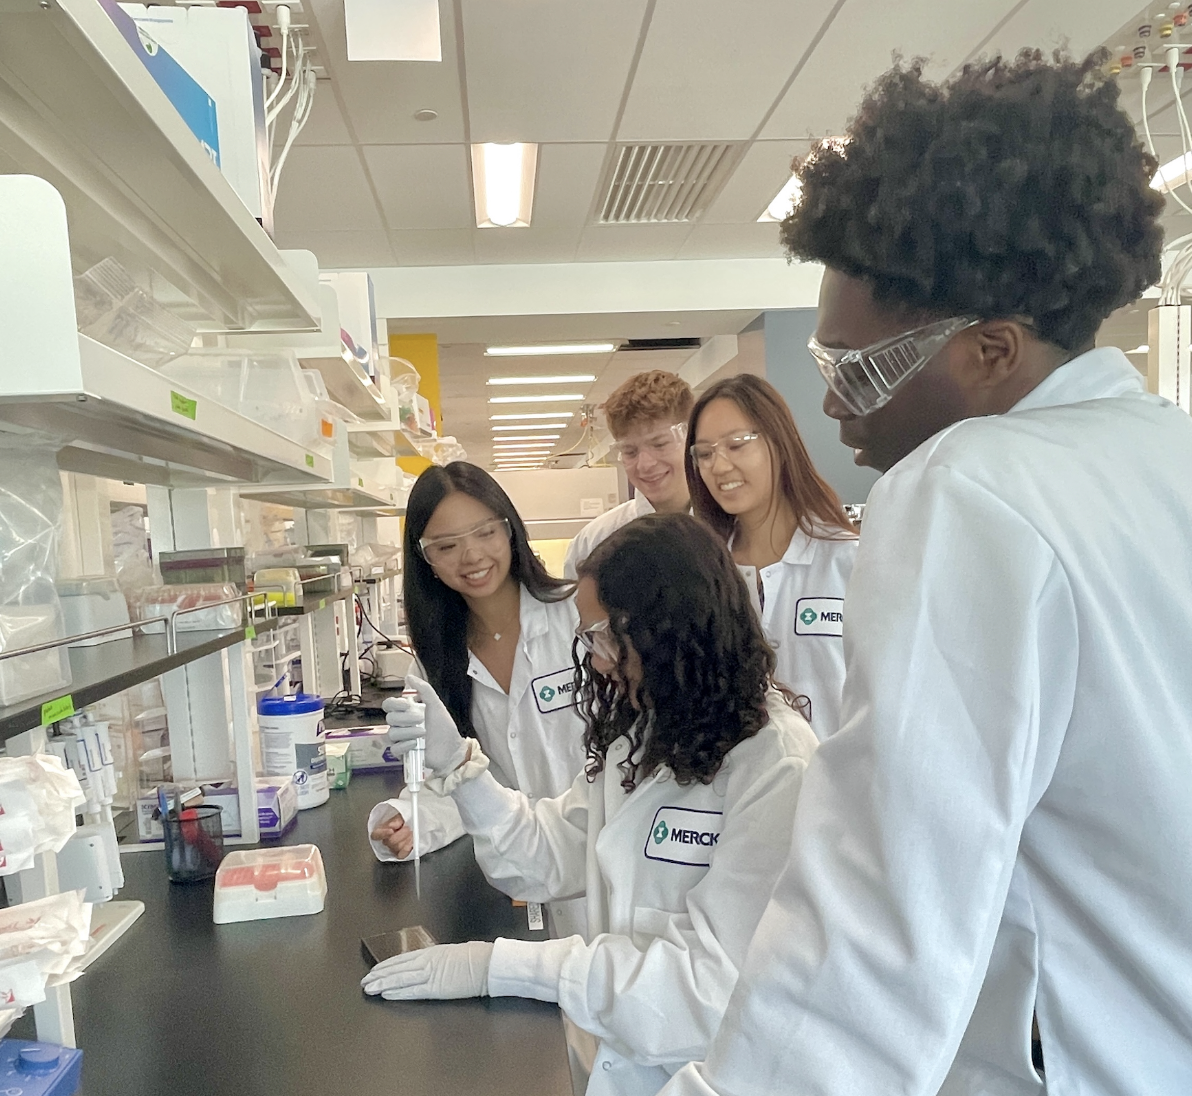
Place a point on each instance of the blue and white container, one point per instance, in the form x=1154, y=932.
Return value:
x=293, y=744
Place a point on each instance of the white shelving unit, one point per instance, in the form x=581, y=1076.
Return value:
x=80, y=110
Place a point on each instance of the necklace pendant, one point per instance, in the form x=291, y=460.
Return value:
x=496, y=635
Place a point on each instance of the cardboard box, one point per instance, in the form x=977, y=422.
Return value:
x=369, y=748
x=277, y=807
x=339, y=764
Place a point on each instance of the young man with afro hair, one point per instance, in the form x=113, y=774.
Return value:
x=1001, y=830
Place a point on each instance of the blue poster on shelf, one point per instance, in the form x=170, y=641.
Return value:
x=196, y=107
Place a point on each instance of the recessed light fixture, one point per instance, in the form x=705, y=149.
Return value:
x=527, y=437
x=574, y=378
x=535, y=415
x=425, y=115
x=544, y=351
x=523, y=448
x=532, y=425
x=1174, y=173
x=784, y=201
x=1143, y=349
x=503, y=182
x=561, y=397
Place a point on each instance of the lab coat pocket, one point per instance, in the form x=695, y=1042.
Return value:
x=648, y=925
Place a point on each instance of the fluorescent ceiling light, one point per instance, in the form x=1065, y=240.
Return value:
x=562, y=397
x=1174, y=173
x=533, y=425
x=784, y=201
x=545, y=351
x=503, y=183
x=525, y=450
x=527, y=437
x=1143, y=349
x=393, y=30
x=574, y=378
x=534, y=415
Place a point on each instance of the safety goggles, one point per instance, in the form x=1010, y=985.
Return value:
x=598, y=640
x=866, y=379
x=704, y=452
x=438, y=551
x=659, y=446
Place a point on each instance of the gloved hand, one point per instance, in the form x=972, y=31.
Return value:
x=441, y=973
x=408, y=721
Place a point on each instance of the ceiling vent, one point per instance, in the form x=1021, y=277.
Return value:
x=658, y=344
x=664, y=184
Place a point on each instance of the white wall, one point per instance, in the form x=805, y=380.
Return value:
x=556, y=503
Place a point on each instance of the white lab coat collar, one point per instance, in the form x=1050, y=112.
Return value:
x=800, y=550
x=1096, y=375
x=532, y=621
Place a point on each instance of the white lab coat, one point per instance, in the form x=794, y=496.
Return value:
x=533, y=735
x=670, y=916
x=802, y=615
x=1007, y=803
x=600, y=529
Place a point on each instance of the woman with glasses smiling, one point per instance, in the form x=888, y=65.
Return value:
x=752, y=480
x=493, y=633
x=674, y=833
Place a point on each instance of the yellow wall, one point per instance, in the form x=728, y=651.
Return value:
x=552, y=553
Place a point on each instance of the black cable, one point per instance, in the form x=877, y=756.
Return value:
x=388, y=639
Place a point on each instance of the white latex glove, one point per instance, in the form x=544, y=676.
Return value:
x=441, y=973
x=408, y=721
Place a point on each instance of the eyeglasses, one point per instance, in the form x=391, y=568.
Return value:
x=704, y=452
x=597, y=639
x=660, y=445
x=448, y=549
x=866, y=379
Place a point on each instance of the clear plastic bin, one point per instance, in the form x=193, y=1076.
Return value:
x=34, y=674
x=112, y=309
x=257, y=883
x=156, y=601
x=271, y=389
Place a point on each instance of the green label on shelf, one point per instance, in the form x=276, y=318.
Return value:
x=250, y=632
x=54, y=710
x=310, y=461
x=359, y=481
x=180, y=405
x=323, y=604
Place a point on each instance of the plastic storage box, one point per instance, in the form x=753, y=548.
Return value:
x=31, y=675
x=90, y=604
x=260, y=883
x=157, y=601
x=203, y=565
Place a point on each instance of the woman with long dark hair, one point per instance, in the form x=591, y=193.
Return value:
x=675, y=832
x=752, y=481
x=493, y=633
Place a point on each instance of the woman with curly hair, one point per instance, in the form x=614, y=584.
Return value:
x=1001, y=828
x=752, y=480
x=674, y=833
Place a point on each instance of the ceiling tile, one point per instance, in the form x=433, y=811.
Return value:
x=548, y=70
x=422, y=186
x=526, y=245
x=762, y=172
x=426, y=247
x=747, y=241
x=326, y=125
x=566, y=187
x=828, y=89
x=380, y=97
x=343, y=250
x=324, y=189
x=615, y=243
x=711, y=70
x=1046, y=25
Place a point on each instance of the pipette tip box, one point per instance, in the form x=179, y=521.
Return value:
x=255, y=884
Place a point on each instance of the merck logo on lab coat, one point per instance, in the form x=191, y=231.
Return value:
x=554, y=692
x=546, y=693
x=682, y=835
x=819, y=616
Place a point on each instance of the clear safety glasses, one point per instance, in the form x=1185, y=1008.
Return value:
x=704, y=452
x=598, y=640
x=659, y=446
x=438, y=551
x=866, y=379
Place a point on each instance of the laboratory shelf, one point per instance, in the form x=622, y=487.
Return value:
x=312, y=603
x=349, y=384
x=109, y=668
x=123, y=420
x=361, y=495
x=380, y=439
x=80, y=110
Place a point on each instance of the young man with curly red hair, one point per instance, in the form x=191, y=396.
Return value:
x=1001, y=828
x=647, y=417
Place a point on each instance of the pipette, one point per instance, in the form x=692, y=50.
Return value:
x=412, y=762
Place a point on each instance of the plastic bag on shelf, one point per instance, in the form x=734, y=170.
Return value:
x=442, y=450
x=130, y=550
x=50, y=934
x=30, y=531
x=156, y=601
x=38, y=798
x=112, y=309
